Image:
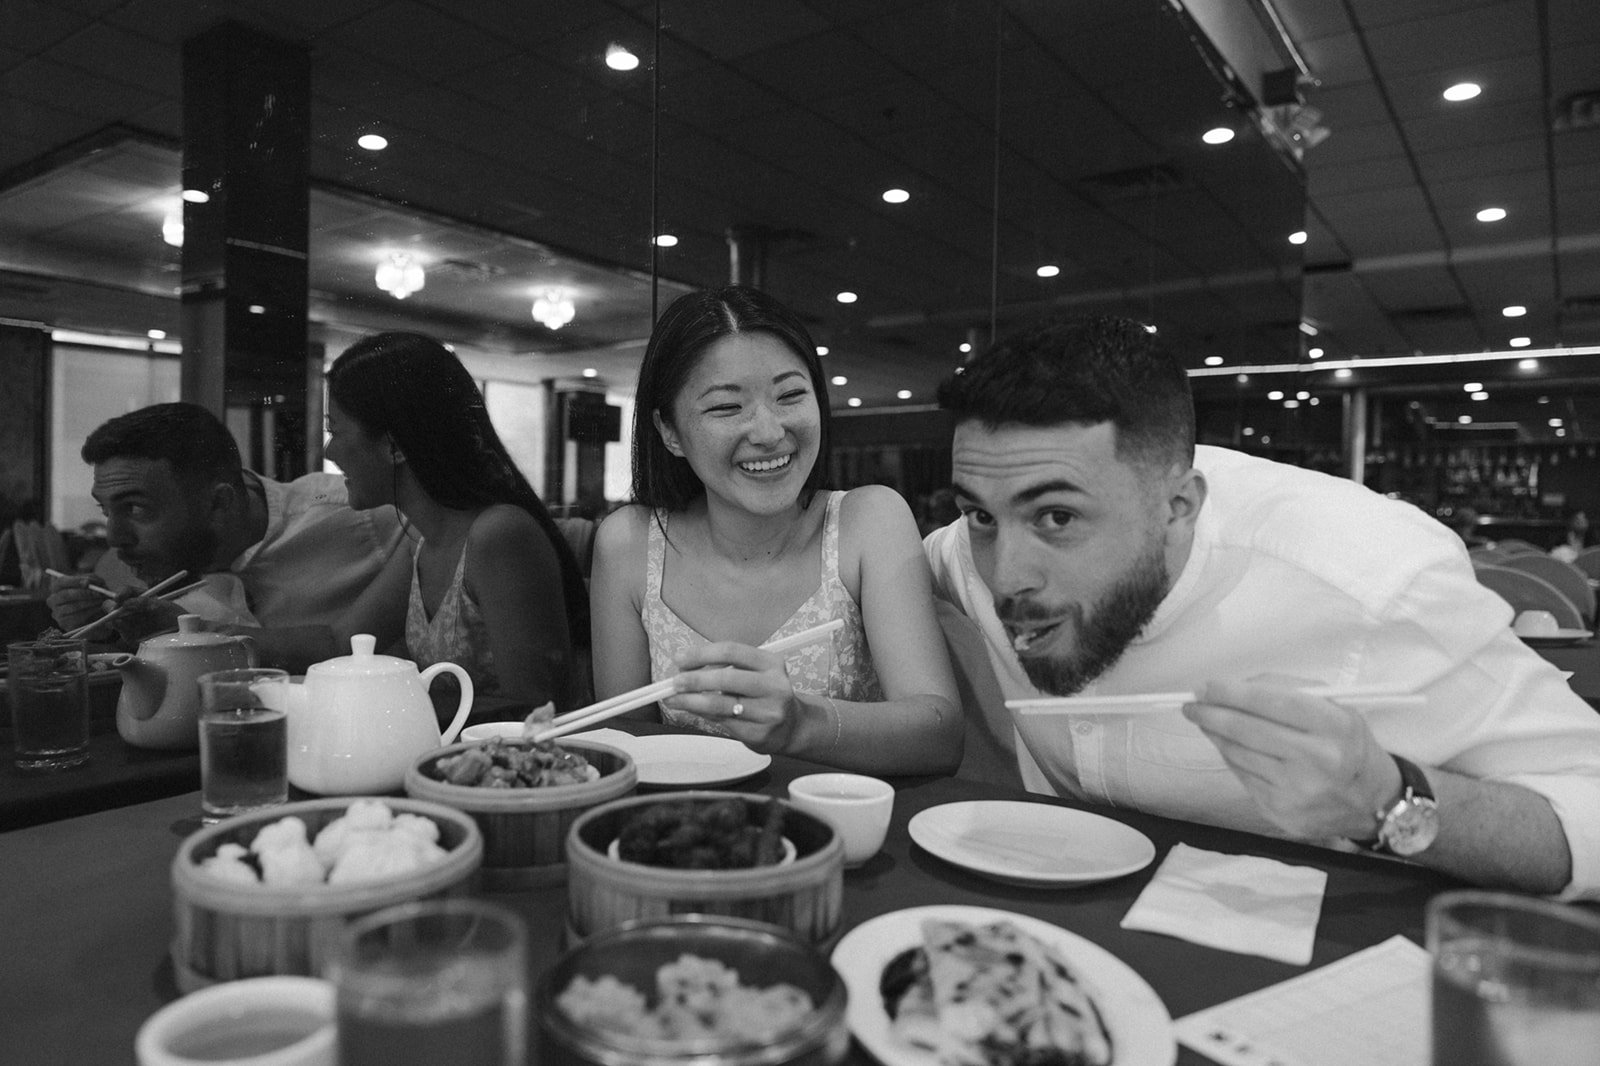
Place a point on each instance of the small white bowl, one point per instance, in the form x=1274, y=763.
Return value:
x=259, y=1021
x=490, y=730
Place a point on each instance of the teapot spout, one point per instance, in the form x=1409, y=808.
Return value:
x=144, y=686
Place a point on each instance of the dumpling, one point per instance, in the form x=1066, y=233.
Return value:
x=228, y=865
x=286, y=857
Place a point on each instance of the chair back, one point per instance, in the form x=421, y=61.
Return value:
x=1568, y=579
x=1485, y=554
x=1514, y=546
x=579, y=533
x=991, y=751
x=1525, y=592
x=1588, y=561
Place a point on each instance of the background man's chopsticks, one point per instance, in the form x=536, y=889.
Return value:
x=162, y=588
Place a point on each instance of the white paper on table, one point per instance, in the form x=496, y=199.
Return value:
x=1370, y=1008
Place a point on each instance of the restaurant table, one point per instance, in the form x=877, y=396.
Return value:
x=1583, y=660
x=87, y=910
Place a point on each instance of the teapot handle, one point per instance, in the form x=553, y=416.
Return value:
x=464, y=708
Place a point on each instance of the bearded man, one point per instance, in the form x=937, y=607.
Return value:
x=1102, y=553
x=176, y=496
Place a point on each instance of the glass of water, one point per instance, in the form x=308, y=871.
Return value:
x=244, y=742
x=441, y=981
x=49, y=703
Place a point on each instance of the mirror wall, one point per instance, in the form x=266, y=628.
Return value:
x=1048, y=157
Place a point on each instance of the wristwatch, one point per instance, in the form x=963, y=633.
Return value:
x=1411, y=823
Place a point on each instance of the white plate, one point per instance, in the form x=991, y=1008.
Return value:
x=1031, y=844
x=1140, y=1027
x=684, y=760
x=1560, y=636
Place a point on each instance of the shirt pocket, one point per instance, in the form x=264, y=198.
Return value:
x=1178, y=746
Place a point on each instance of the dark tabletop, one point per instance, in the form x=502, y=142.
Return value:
x=87, y=909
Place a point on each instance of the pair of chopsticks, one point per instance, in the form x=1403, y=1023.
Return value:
x=162, y=589
x=1353, y=696
x=632, y=700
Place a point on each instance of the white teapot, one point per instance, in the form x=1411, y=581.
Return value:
x=358, y=722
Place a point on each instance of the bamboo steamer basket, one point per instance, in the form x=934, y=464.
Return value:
x=224, y=931
x=805, y=896
x=633, y=953
x=525, y=829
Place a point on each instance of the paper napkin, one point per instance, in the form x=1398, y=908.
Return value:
x=1240, y=903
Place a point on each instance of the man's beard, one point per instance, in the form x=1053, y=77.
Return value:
x=1117, y=617
x=194, y=551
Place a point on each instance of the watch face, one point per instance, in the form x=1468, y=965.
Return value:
x=1411, y=826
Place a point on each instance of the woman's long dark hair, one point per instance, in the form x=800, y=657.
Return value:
x=690, y=324
x=416, y=391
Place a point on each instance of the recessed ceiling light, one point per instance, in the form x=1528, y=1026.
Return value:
x=1514, y=311
x=1342, y=372
x=903, y=394
x=257, y=309
x=854, y=401
x=1561, y=433
x=1314, y=401
x=1297, y=237
x=1464, y=90
x=822, y=349
x=895, y=196
x=1275, y=394
x=373, y=142
x=965, y=347
x=1243, y=379
x=666, y=240
x=1291, y=404
x=1472, y=386
x=839, y=379
x=1555, y=423
x=1527, y=364
x=1217, y=135
x=590, y=372
x=1465, y=420
x=1308, y=329
x=1302, y=395
x=846, y=297
x=1314, y=353
x=197, y=196
x=619, y=58
x=1480, y=395
x=1248, y=431
x=1521, y=342
x=156, y=334
x=1213, y=360
x=1149, y=327
x=1049, y=270
x=172, y=227
x=1491, y=214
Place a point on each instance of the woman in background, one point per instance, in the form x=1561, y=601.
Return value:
x=731, y=544
x=489, y=582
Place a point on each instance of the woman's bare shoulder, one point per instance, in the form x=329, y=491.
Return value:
x=624, y=532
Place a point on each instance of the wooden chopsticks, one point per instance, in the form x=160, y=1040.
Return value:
x=632, y=700
x=162, y=588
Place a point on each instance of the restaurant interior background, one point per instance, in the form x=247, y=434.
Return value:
x=913, y=176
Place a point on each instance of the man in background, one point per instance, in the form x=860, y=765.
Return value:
x=176, y=496
x=1101, y=553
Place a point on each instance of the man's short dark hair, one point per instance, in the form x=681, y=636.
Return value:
x=192, y=440
x=1082, y=370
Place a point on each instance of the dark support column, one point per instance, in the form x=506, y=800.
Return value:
x=24, y=431
x=246, y=137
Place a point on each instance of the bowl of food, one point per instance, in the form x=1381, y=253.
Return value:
x=270, y=891
x=716, y=853
x=692, y=989
x=524, y=798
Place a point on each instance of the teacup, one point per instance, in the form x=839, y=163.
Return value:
x=858, y=807
x=1536, y=624
x=259, y=1021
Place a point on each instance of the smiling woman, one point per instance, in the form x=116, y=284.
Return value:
x=731, y=543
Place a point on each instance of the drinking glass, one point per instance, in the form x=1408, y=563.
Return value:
x=1516, y=981
x=441, y=981
x=49, y=703
x=244, y=742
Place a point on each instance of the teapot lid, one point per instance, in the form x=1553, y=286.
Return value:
x=190, y=634
x=361, y=662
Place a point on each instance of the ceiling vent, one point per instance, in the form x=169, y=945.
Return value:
x=1443, y=313
x=1577, y=111
x=1135, y=181
x=464, y=270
